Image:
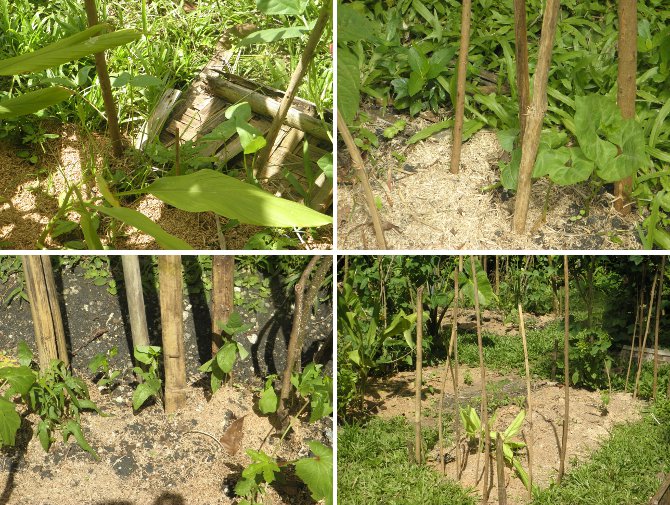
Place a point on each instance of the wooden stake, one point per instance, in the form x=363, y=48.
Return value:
x=359, y=168
x=643, y=345
x=457, y=406
x=223, y=286
x=418, y=378
x=566, y=369
x=638, y=315
x=484, y=404
x=457, y=140
x=658, y=323
x=497, y=276
x=292, y=90
x=533, y=128
x=135, y=299
x=172, y=323
x=500, y=465
x=522, y=73
x=45, y=310
x=627, y=89
x=529, y=415
x=105, y=86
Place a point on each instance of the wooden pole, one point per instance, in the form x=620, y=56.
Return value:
x=294, y=338
x=658, y=323
x=643, y=345
x=294, y=84
x=135, y=299
x=457, y=140
x=627, y=88
x=105, y=86
x=457, y=406
x=172, y=323
x=484, y=404
x=47, y=319
x=500, y=466
x=359, y=168
x=638, y=315
x=223, y=291
x=418, y=378
x=533, y=128
x=529, y=445
x=522, y=73
x=566, y=368
x=497, y=275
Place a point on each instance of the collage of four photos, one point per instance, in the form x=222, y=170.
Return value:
x=298, y=252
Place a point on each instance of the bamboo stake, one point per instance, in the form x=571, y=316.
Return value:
x=105, y=86
x=457, y=406
x=418, y=379
x=566, y=369
x=500, y=466
x=536, y=111
x=643, y=345
x=223, y=285
x=172, y=324
x=359, y=168
x=296, y=79
x=135, y=300
x=522, y=73
x=638, y=315
x=657, y=325
x=294, y=338
x=457, y=140
x=45, y=310
x=443, y=380
x=529, y=445
x=484, y=404
x=627, y=89
x=497, y=275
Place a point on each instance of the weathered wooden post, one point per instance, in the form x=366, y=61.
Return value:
x=457, y=140
x=47, y=320
x=135, y=299
x=170, y=278
x=418, y=376
x=566, y=369
x=223, y=274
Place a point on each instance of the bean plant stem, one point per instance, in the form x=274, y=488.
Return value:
x=457, y=140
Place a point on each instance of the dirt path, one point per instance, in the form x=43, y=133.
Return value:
x=589, y=425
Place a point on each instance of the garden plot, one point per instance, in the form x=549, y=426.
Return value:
x=590, y=421
x=424, y=206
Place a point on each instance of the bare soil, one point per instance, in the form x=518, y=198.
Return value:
x=590, y=423
x=424, y=206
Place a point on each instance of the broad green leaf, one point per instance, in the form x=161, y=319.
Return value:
x=33, y=101
x=272, y=35
x=44, y=435
x=348, y=84
x=514, y=428
x=227, y=356
x=355, y=356
x=207, y=190
x=632, y=155
x=416, y=83
x=317, y=471
x=549, y=161
x=73, y=427
x=144, y=391
x=106, y=193
x=580, y=169
x=25, y=354
x=485, y=291
x=325, y=163
x=353, y=25
x=429, y=131
x=282, y=6
x=509, y=172
x=268, y=401
x=242, y=351
x=10, y=422
x=143, y=223
x=89, y=41
x=19, y=378
x=521, y=473
x=594, y=115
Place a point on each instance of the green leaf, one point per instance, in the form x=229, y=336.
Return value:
x=207, y=190
x=44, y=435
x=514, y=428
x=348, y=84
x=19, y=378
x=579, y=170
x=272, y=35
x=325, y=163
x=143, y=223
x=317, y=471
x=33, y=101
x=549, y=161
x=282, y=6
x=89, y=41
x=73, y=427
x=268, y=401
x=244, y=354
x=632, y=156
x=226, y=357
x=25, y=354
x=144, y=391
x=10, y=422
x=429, y=130
x=353, y=25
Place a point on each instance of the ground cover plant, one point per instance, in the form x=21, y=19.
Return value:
x=52, y=95
x=521, y=387
x=101, y=416
x=399, y=63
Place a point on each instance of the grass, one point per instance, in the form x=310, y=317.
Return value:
x=623, y=470
x=374, y=467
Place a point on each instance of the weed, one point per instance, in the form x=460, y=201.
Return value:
x=467, y=378
x=100, y=365
x=151, y=385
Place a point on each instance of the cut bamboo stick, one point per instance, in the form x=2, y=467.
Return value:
x=657, y=324
x=500, y=467
x=566, y=369
x=457, y=140
x=135, y=299
x=172, y=323
x=643, y=345
x=522, y=73
x=223, y=286
x=418, y=377
x=638, y=315
x=457, y=406
x=529, y=415
x=45, y=310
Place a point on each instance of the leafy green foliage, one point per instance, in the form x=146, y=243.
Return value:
x=100, y=363
x=314, y=385
x=317, y=471
x=589, y=358
x=10, y=268
x=269, y=401
x=262, y=470
x=151, y=385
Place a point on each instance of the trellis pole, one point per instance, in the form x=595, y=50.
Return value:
x=627, y=88
x=522, y=73
x=657, y=324
x=529, y=415
x=457, y=406
x=643, y=344
x=566, y=369
x=223, y=293
x=45, y=310
x=457, y=138
x=135, y=299
x=172, y=323
x=418, y=376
